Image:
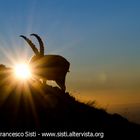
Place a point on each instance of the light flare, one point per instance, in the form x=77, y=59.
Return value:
x=22, y=71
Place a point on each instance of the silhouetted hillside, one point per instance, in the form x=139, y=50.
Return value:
x=34, y=106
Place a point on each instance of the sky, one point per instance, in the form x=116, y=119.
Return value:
x=101, y=40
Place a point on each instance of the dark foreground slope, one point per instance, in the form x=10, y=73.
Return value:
x=38, y=107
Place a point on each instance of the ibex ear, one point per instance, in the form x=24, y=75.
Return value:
x=31, y=44
x=40, y=43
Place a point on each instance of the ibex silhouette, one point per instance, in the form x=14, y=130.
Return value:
x=48, y=67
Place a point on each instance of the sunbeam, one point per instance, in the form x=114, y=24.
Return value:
x=22, y=71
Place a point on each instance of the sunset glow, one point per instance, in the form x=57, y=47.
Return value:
x=22, y=71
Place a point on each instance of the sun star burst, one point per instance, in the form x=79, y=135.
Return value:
x=22, y=71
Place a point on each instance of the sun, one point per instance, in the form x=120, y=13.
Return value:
x=22, y=71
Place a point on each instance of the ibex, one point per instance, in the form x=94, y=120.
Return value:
x=48, y=67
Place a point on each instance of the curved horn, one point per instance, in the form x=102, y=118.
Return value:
x=31, y=44
x=40, y=43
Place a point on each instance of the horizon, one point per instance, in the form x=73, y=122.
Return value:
x=100, y=39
